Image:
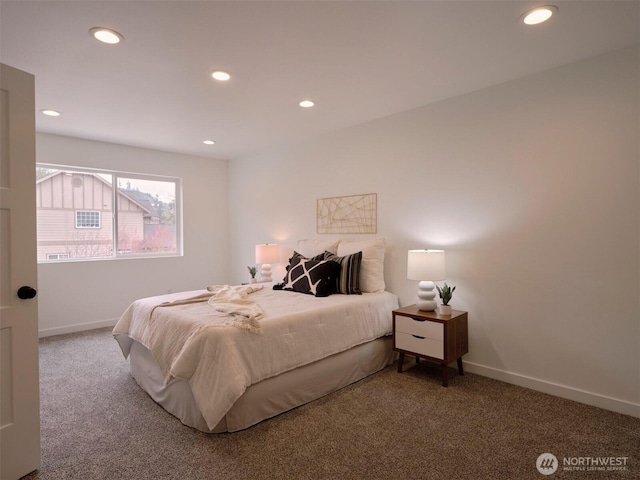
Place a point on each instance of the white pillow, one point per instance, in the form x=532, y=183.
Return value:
x=372, y=267
x=312, y=247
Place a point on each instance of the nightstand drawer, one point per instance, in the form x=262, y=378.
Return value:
x=423, y=346
x=433, y=330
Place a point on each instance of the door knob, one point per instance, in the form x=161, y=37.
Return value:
x=26, y=292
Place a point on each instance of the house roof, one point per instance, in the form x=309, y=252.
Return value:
x=358, y=60
x=100, y=179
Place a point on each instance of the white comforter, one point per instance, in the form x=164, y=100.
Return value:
x=221, y=361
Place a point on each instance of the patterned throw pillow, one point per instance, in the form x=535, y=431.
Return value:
x=348, y=282
x=314, y=277
x=298, y=256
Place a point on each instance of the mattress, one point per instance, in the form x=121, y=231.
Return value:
x=219, y=362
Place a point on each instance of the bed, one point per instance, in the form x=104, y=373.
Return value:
x=221, y=366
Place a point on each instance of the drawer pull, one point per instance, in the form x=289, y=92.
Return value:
x=421, y=338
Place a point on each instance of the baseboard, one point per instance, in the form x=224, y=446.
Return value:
x=588, y=398
x=49, y=332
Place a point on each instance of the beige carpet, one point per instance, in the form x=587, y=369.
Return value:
x=98, y=424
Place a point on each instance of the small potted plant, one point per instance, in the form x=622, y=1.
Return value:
x=446, y=292
x=252, y=272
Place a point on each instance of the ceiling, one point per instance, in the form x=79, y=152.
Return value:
x=357, y=60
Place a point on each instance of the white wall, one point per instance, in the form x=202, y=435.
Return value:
x=80, y=295
x=531, y=186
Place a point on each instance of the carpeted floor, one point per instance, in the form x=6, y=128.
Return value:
x=98, y=424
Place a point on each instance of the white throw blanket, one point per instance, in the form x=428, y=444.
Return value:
x=235, y=301
x=232, y=300
x=149, y=319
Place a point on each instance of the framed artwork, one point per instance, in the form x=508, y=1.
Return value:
x=348, y=214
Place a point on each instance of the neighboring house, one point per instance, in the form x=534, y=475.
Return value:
x=75, y=217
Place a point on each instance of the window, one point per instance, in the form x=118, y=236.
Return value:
x=87, y=219
x=57, y=256
x=91, y=214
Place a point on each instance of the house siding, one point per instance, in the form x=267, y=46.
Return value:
x=130, y=230
x=61, y=195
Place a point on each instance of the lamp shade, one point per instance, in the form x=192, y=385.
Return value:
x=267, y=253
x=426, y=265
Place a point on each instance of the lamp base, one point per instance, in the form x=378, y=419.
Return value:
x=426, y=295
x=265, y=273
x=427, y=305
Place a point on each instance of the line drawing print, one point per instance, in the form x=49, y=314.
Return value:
x=348, y=214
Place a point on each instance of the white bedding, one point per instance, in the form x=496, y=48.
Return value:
x=221, y=361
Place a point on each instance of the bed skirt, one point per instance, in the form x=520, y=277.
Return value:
x=269, y=397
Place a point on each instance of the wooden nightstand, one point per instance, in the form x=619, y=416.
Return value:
x=437, y=338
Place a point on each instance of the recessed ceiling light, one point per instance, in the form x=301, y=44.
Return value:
x=220, y=75
x=208, y=142
x=106, y=35
x=306, y=104
x=539, y=14
x=50, y=113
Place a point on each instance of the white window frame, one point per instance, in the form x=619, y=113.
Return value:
x=115, y=175
x=81, y=213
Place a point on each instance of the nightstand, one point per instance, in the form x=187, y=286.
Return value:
x=437, y=338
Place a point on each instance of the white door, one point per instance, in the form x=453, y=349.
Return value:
x=19, y=386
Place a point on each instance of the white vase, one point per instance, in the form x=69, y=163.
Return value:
x=444, y=309
x=253, y=280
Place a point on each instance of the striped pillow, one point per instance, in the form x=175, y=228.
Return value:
x=348, y=282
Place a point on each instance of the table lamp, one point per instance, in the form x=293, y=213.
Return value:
x=426, y=266
x=266, y=254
